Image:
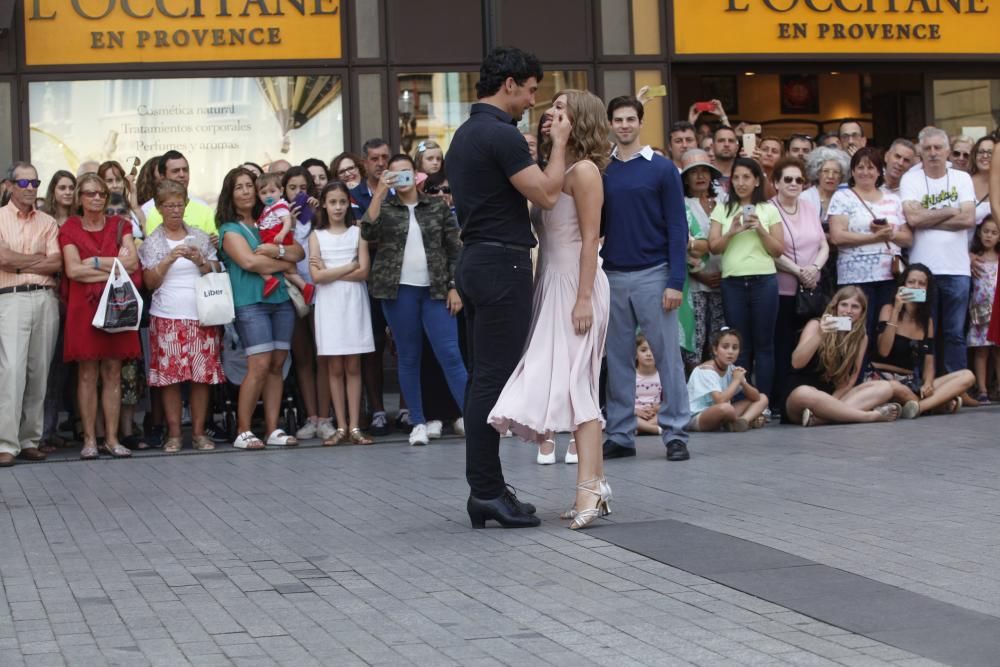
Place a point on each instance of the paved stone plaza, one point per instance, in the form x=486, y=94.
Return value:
x=364, y=555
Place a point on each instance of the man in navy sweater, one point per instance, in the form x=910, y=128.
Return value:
x=645, y=250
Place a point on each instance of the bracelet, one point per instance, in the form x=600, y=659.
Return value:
x=891, y=324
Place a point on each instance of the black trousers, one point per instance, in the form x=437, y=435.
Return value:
x=495, y=285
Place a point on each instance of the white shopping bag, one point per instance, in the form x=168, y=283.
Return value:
x=215, y=299
x=120, y=308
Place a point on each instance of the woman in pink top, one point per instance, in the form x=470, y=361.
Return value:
x=806, y=252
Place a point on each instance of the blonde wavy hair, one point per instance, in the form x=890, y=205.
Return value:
x=588, y=140
x=838, y=350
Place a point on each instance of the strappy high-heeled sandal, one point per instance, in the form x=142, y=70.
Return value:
x=335, y=439
x=605, y=495
x=359, y=438
x=587, y=516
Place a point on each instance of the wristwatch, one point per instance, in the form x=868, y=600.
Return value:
x=281, y=252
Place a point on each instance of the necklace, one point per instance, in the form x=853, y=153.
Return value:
x=794, y=210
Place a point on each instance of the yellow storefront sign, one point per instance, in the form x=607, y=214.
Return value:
x=73, y=32
x=877, y=27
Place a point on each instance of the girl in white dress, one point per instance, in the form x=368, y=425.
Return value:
x=338, y=264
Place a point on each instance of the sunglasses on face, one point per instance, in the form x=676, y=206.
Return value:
x=444, y=190
x=345, y=170
x=93, y=193
x=26, y=182
x=788, y=180
x=964, y=154
x=116, y=211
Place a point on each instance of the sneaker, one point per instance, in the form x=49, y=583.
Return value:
x=216, y=433
x=379, y=424
x=418, y=435
x=308, y=430
x=459, y=427
x=325, y=429
x=403, y=421
x=309, y=292
x=434, y=427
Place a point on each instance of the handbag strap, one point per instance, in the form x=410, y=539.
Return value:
x=870, y=212
x=784, y=221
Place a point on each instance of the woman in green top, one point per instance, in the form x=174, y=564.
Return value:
x=264, y=323
x=747, y=233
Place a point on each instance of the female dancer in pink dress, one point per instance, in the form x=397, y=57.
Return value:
x=555, y=386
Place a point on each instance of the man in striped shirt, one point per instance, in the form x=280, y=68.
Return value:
x=29, y=314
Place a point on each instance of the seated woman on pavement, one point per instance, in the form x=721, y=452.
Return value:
x=904, y=352
x=826, y=365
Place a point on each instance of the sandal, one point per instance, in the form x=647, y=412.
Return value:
x=955, y=405
x=335, y=439
x=173, y=445
x=202, y=443
x=891, y=410
x=89, y=451
x=247, y=440
x=118, y=451
x=279, y=438
x=759, y=422
x=807, y=417
x=359, y=438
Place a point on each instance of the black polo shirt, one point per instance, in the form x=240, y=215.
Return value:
x=485, y=152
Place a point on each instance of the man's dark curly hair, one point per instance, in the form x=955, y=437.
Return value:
x=503, y=62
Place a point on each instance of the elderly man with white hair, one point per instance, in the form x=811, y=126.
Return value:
x=939, y=204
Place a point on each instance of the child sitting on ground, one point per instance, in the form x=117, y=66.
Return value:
x=648, y=391
x=719, y=392
x=275, y=226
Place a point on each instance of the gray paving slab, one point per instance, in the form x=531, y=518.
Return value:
x=364, y=555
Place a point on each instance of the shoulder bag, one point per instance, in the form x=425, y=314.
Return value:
x=809, y=303
x=898, y=265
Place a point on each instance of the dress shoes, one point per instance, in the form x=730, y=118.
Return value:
x=677, y=451
x=616, y=451
x=32, y=454
x=7, y=460
x=527, y=508
x=504, y=509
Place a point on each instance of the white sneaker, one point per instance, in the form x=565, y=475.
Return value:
x=325, y=429
x=434, y=427
x=546, y=459
x=459, y=426
x=571, y=458
x=418, y=436
x=308, y=430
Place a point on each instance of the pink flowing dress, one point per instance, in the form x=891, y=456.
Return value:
x=555, y=385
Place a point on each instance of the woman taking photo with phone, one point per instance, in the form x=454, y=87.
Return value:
x=413, y=275
x=747, y=232
x=826, y=365
x=868, y=228
x=904, y=353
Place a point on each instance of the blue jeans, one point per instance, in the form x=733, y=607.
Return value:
x=949, y=308
x=264, y=327
x=637, y=299
x=878, y=294
x=751, y=307
x=409, y=314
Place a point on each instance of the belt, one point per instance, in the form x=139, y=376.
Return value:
x=23, y=288
x=506, y=246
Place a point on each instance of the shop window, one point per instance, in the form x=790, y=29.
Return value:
x=6, y=125
x=631, y=27
x=367, y=29
x=967, y=106
x=216, y=123
x=369, y=93
x=433, y=105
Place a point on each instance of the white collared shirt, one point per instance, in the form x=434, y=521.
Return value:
x=645, y=152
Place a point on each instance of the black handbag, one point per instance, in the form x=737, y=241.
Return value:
x=809, y=303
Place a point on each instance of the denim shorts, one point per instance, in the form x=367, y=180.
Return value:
x=264, y=327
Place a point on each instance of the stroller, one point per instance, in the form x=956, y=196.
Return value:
x=234, y=363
